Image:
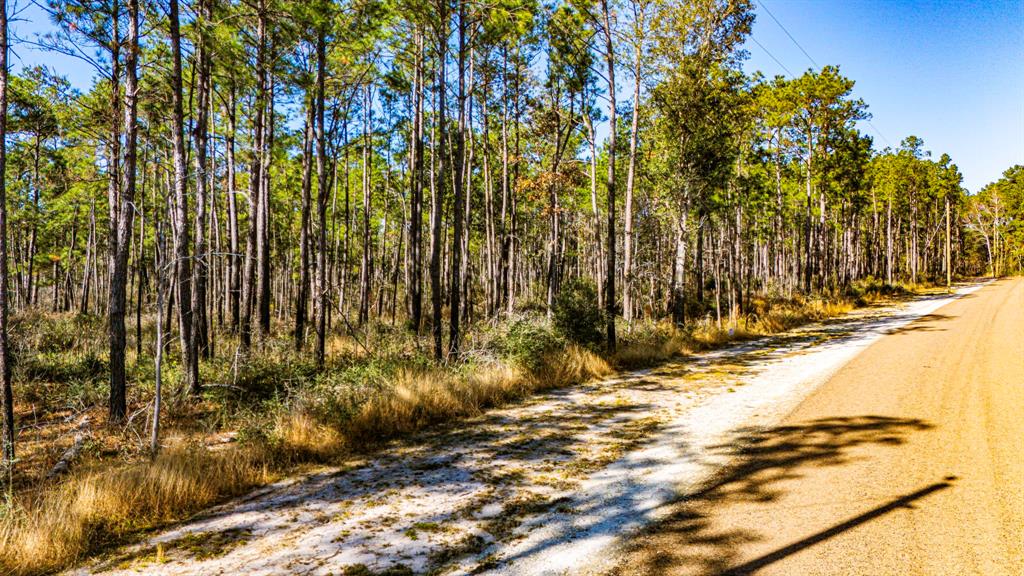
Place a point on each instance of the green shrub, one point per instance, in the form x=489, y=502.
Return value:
x=577, y=316
x=862, y=290
x=266, y=374
x=67, y=368
x=526, y=341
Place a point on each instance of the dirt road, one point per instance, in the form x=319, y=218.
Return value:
x=908, y=461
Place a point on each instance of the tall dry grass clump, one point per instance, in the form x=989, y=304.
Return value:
x=61, y=524
x=299, y=438
x=416, y=398
x=421, y=397
x=666, y=342
x=571, y=365
x=767, y=318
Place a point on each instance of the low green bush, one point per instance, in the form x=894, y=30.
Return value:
x=526, y=340
x=577, y=316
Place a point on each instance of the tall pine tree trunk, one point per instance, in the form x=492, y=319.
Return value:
x=301, y=306
x=200, y=133
x=610, y=278
x=234, y=283
x=263, y=268
x=455, y=285
x=627, y=239
x=121, y=227
x=321, y=203
x=5, y=360
x=416, y=194
x=440, y=183
x=366, y=264
x=190, y=357
x=116, y=296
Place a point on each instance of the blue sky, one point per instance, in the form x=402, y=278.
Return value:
x=950, y=72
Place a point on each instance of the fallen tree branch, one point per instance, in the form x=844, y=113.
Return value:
x=71, y=454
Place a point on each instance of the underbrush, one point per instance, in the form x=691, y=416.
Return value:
x=657, y=342
x=288, y=413
x=419, y=398
x=871, y=290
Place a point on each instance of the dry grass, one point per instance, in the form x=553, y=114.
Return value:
x=665, y=341
x=571, y=365
x=423, y=396
x=344, y=345
x=61, y=524
x=299, y=438
x=426, y=396
x=647, y=351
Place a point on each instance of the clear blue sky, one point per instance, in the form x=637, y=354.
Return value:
x=950, y=72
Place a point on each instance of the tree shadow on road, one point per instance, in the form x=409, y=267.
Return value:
x=926, y=323
x=904, y=501
x=688, y=541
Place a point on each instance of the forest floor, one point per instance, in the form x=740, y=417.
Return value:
x=547, y=486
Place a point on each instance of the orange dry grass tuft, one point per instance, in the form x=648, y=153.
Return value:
x=301, y=438
x=569, y=366
x=64, y=522
x=421, y=397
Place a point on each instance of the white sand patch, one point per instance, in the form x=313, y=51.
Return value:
x=544, y=487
